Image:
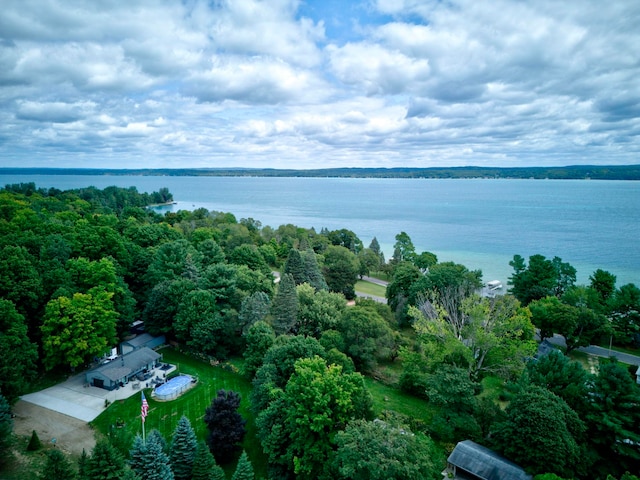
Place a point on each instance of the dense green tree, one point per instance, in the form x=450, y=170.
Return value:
x=57, y=466
x=541, y=278
x=285, y=306
x=77, y=329
x=341, y=270
x=318, y=310
x=425, y=261
x=149, y=458
x=318, y=401
x=312, y=272
x=163, y=303
x=170, y=260
x=34, y=442
x=377, y=450
x=590, y=327
x=105, y=463
x=258, y=339
x=367, y=336
x=6, y=429
x=211, y=252
x=254, y=308
x=226, y=426
x=368, y=261
x=403, y=249
x=205, y=466
x=542, y=434
x=250, y=256
x=196, y=306
x=83, y=461
x=375, y=247
x=398, y=290
x=19, y=279
x=624, y=312
x=183, y=449
x=294, y=266
x=551, y=316
x=562, y=376
x=614, y=418
x=345, y=238
x=604, y=283
x=244, y=469
x=19, y=355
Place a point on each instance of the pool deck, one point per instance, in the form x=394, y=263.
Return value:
x=76, y=399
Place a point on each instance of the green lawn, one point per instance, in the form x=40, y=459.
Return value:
x=165, y=415
x=369, y=288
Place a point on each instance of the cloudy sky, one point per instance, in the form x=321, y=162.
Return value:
x=319, y=83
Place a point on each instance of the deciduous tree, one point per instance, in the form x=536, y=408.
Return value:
x=225, y=425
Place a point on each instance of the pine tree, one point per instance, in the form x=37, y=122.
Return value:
x=82, y=465
x=34, y=442
x=205, y=466
x=105, y=463
x=244, y=470
x=285, y=306
x=57, y=466
x=6, y=427
x=183, y=449
x=225, y=424
x=149, y=459
x=313, y=274
x=294, y=266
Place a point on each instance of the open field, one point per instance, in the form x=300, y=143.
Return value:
x=369, y=288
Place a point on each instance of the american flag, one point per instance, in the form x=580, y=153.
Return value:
x=145, y=407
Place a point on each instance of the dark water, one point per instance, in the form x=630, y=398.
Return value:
x=479, y=223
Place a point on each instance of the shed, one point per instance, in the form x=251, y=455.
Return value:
x=118, y=372
x=471, y=461
x=140, y=341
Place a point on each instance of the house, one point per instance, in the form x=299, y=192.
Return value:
x=140, y=341
x=470, y=461
x=119, y=371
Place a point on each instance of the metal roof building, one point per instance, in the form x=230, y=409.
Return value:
x=471, y=461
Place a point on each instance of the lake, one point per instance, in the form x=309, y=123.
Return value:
x=480, y=223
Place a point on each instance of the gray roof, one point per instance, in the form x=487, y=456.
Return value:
x=140, y=340
x=128, y=364
x=485, y=463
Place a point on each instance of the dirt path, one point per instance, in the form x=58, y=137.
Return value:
x=72, y=435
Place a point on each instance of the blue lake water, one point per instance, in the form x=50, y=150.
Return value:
x=479, y=223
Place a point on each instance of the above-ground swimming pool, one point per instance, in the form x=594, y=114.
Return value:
x=173, y=388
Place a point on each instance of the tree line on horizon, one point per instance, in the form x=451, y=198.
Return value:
x=78, y=266
x=569, y=172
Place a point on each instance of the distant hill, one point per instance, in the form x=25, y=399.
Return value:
x=575, y=172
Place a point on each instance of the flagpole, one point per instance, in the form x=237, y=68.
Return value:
x=144, y=409
x=144, y=439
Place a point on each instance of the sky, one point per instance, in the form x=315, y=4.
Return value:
x=319, y=83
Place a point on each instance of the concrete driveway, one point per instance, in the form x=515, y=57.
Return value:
x=77, y=399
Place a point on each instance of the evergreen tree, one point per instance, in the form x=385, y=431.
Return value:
x=258, y=340
x=57, y=466
x=244, y=470
x=285, y=306
x=205, y=466
x=225, y=424
x=105, y=463
x=6, y=427
x=313, y=274
x=82, y=465
x=254, y=308
x=294, y=266
x=149, y=459
x=34, y=442
x=183, y=449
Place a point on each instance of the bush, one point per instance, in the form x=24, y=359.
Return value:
x=34, y=443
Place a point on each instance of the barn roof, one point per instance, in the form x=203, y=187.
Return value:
x=485, y=463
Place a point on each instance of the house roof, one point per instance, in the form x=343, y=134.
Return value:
x=485, y=463
x=140, y=340
x=128, y=364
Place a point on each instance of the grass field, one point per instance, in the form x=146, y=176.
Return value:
x=369, y=288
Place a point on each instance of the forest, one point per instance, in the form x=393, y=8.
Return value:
x=78, y=267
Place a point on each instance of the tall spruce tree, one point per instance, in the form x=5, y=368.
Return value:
x=285, y=306
x=183, y=449
x=313, y=274
x=57, y=466
x=225, y=424
x=205, y=466
x=294, y=266
x=105, y=463
x=149, y=459
x=244, y=469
